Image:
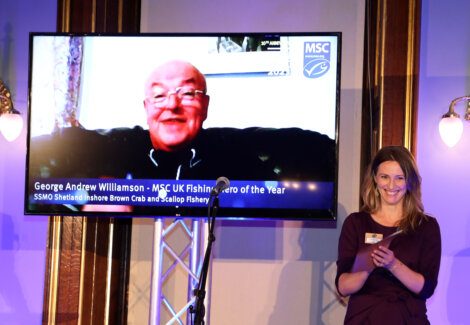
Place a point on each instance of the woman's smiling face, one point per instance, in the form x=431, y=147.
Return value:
x=391, y=183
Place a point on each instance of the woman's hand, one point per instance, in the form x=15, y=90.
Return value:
x=384, y=257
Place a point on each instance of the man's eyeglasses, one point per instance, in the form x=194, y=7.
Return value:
x=187, y=94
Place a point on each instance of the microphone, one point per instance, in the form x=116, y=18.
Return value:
x=222, y=183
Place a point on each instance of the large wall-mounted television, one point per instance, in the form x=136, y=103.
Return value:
x=100, y=105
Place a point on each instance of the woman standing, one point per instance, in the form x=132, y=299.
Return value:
x=403, y=274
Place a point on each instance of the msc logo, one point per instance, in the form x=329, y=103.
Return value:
x=316, y=59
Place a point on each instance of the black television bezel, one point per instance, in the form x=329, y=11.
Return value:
x=197, y=212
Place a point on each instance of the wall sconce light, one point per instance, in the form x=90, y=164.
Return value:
x=451, y=126
x=11, y=122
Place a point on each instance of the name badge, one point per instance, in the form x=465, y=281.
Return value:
x=372, y=238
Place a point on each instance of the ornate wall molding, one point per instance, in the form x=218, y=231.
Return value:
x=391, y=66
x=88, y=258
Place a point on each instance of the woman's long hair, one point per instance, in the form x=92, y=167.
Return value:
x=413, y=210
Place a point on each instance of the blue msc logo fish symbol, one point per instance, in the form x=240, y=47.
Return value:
x=316, y=59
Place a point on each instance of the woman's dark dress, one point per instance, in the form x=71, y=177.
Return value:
x=384, y=299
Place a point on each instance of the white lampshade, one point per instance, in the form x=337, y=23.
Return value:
x=11, y=125
x=451, y=129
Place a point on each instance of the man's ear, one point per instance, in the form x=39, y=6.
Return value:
x=145, y=106
x=207, y=99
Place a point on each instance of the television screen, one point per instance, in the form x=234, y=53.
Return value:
x=164, y=124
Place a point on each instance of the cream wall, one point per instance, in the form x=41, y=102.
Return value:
x=267, y=272
x=445, y=75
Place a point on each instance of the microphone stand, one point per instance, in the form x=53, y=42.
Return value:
x=200, y=292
